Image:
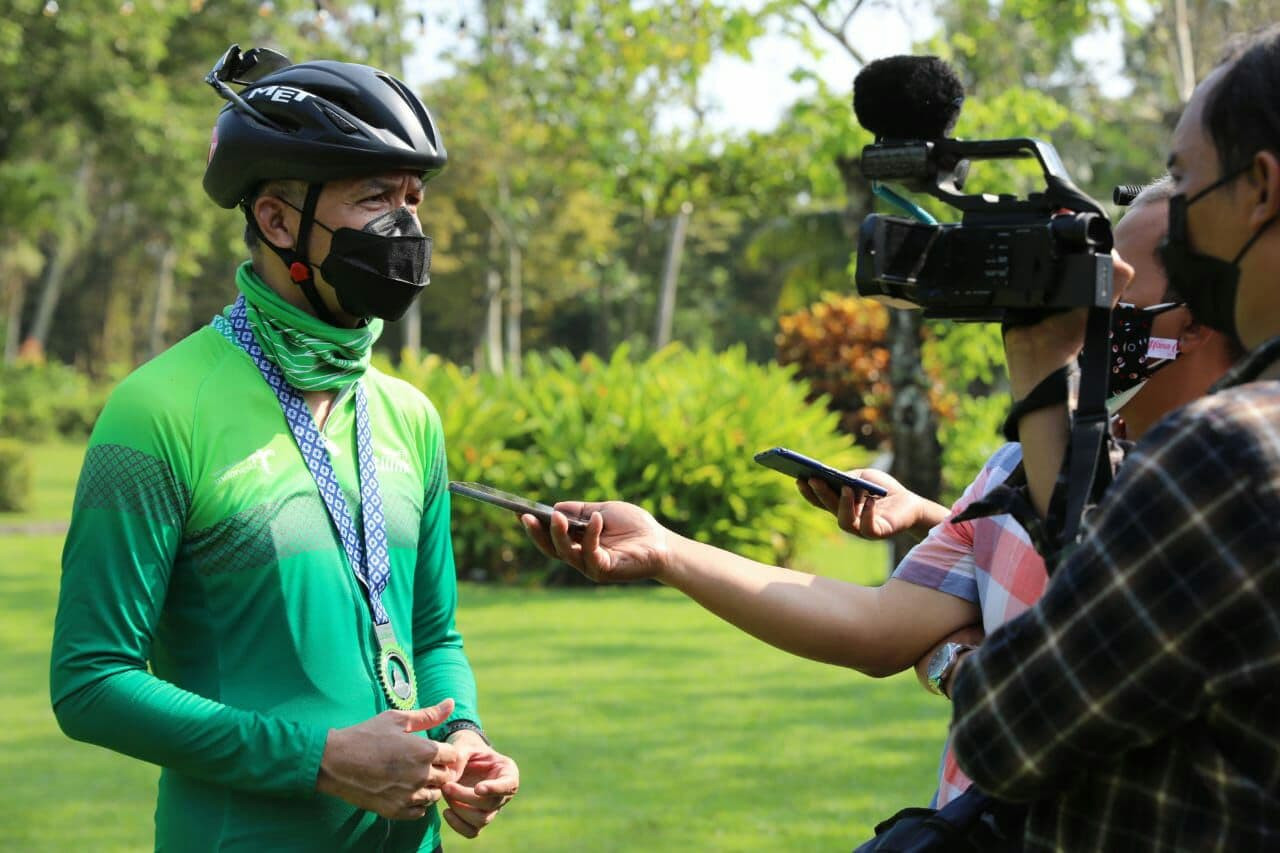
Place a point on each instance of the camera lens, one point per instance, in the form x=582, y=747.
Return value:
x=1076, y=232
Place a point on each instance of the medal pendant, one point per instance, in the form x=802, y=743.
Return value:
x=395, y=672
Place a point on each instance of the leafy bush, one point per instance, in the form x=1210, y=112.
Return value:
x=40, y=401
x=674, y=433
x=970, y=359
x=483, y=428
x=838, y=347
x=15, y=476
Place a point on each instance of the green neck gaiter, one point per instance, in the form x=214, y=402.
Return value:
x=313, y=355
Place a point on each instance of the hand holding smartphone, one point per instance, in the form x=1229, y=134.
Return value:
x=515, y=503
x=803, y=468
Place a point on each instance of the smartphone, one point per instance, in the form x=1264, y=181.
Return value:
x=803, y=468
x=506, y=500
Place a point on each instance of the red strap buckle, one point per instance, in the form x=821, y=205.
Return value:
x=299, y=272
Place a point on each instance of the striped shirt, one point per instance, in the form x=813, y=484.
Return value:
x=989, y=561
x=1135, y=706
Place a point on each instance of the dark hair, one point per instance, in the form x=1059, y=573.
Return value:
x=1242, y=112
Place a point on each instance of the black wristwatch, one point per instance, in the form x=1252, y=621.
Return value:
x=943, y=663
x=454, y=726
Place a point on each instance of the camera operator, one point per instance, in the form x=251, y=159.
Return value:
x=1134, y=705
x=989, y=560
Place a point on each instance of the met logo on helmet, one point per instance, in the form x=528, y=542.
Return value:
x=279, y=94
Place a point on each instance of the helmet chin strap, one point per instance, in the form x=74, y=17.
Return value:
x=295, y=259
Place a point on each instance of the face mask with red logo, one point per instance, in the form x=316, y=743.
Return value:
x=1135, y=354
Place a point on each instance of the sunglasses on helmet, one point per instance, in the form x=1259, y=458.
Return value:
x=243, y=69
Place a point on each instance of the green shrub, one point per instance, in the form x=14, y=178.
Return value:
x=970, y=358
x=674, y=433
x=483, y=427
x=968, y=440
x=41, y=401
x=15, y=476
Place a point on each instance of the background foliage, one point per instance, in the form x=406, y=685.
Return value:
x=838, y=346
x=592, y=205
x=674, y=432
x=39, y=402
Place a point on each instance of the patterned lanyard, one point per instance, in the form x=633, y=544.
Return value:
x=369, y=558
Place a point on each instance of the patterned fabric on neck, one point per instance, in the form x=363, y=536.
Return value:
x=313, y=355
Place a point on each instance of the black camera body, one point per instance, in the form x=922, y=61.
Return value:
x=1009, y=259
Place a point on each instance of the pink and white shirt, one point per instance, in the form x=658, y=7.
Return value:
x=989, y=561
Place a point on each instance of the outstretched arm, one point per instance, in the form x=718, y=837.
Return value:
x=876, y=630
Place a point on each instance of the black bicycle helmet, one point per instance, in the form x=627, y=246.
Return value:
x=313, y=122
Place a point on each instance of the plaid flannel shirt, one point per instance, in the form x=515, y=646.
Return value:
x=1137, y=705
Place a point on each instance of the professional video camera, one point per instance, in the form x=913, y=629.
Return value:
x=1009, y=258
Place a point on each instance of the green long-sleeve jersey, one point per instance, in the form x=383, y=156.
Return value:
x=209, y=620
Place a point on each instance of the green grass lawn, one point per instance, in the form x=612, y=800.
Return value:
x=640, y=722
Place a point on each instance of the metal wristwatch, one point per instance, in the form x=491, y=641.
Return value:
x=942, y=663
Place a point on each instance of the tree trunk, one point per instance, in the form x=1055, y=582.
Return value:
x=493, y=308
x=1186, y=69
x=670, y=277
x=515, y=308
x=413, y=330
x=500, y=219
x=917, y=456
x=55, y=269
x=600, y=343
x=13, y=318
x=164, y=296
x=59, y=256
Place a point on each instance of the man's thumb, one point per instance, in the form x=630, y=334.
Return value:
x=421, y=719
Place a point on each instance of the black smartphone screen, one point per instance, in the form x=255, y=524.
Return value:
x=507, y=500
x=802, y=468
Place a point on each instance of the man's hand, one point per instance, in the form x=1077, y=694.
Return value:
x=487, y=780
x=622, y=542
x=1036, y=350
x=970, y=635
x=1032, y=353
x=874, y=518
x=380, y=765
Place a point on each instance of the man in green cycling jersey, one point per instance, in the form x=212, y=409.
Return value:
x=258, y=587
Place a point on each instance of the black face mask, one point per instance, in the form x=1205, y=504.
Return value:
x=1208, y=283
x=1135, y=354
x=375, y=272
x=379, y=270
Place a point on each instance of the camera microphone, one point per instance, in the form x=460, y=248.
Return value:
x=1124, y=194
x=908, y=97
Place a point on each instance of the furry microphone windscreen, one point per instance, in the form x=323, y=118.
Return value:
x=908, y=97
